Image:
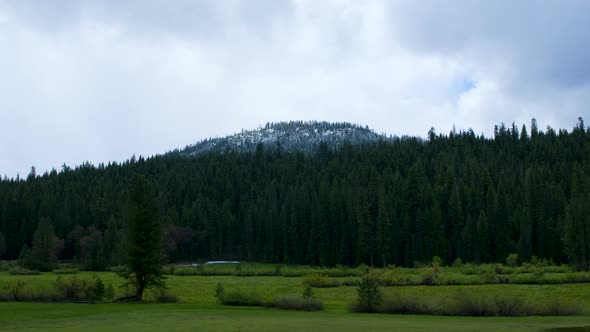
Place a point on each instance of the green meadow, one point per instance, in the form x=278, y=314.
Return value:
x=198, y=310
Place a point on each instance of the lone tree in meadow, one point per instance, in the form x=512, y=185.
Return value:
x=144, y=260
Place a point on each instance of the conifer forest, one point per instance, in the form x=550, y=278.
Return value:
x=393, y=200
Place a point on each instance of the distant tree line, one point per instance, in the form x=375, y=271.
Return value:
x=396, y=201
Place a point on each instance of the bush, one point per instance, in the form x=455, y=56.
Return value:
x=297, y=303
x=369, y=295
x=559, y=308
x=320, y=281
x=109, y=293
x=350, y=282
x=512, y=260
x=437, y=262
x=119, y=269
x=186, y=272
x=219, y=293
x=21, y=271
x=397, y=304
x=577, y=277
x=167, y=298
x=510, y=306
x=66, y=271
x=308, y=293
x=241, y=298
x=76, y=290
x=429, y=277
x=468, y=304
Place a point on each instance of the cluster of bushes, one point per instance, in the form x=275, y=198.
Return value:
x=463, y=303
x=69, y=289
x=254, y=271
x=320, y=281
x=21, y=271
x=66, y=270
x=238, y=297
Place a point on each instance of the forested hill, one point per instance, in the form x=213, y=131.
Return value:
x=288, y=136
x=389, y=201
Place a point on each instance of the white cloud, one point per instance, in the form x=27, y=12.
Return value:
x=101, y=81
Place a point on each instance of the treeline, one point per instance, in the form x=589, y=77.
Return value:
x=399, y=201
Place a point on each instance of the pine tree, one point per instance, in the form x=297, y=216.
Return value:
x=577, y=221
x=144, y=254
x=43, y=254
x=384, y=230
x=2, y=245
x=483, y=239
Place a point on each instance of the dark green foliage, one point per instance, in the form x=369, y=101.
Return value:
x=242, y=298
x=297, y=303
x=20, y=271
x=2, y=245
x=308, y=292
x=219, y=292
x=466, y=303
x=66, y=271
x=320, y=281
x=74, y=289
x=398, y=201
x=369, y=294
x=144, y=255
x=45, y=245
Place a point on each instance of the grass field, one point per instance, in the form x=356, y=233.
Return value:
x=198, y=310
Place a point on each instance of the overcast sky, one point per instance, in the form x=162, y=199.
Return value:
x=103, y=80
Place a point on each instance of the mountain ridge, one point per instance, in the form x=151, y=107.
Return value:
x=303, y=136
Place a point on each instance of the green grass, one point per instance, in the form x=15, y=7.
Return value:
x=188, y=317
x=199, y=311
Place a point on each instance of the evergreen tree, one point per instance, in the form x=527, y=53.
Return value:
x=43, y=254
x=2, y=245
x=577, y=221
x=144, y=255
x=384, y=230
x=483, y=239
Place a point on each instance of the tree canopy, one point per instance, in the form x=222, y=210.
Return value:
x=395, y=201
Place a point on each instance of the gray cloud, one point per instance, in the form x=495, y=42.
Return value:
x=102, y=80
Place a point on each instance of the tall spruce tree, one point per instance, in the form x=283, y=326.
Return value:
x=43, y=253
x=144, y=260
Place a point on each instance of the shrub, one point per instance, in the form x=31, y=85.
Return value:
x=308, y=292
x=166, y=298
x=559, y=308
x=437, y=262
x=297, y=303
x=509, y=306
x=66, y=271
x=97, y=293
x=119, y=268
x=429, y=277
x=512, y=260
x=15, y=291
x=465, y=303
x=21, y=271
x=577, y=277
x=74, y=289
x=458, y=263
x=369, y=295
x=241, y=298
x=109, y=293
x=398, y=304
x=219, y=292
x=349, y=282
x=71, y=289
x=187, y=271
x=320, y=281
